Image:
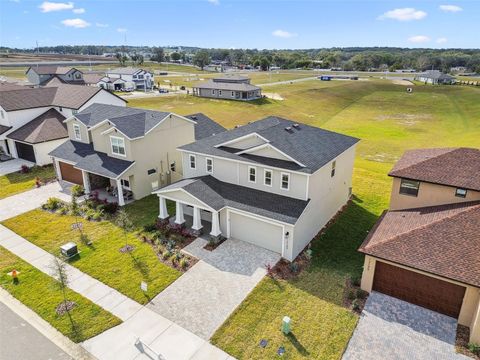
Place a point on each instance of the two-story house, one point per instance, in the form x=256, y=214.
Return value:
x=229, y=87
x=426, y=248
x=31, y=119
x=42, y=74
x=274, y=183
x=115, y=147
x=127, y=78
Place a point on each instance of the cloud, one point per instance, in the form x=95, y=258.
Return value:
x=404, y=14
x=101, y=25
x=214, y=2
x=442, y=40
x=283, y=34
x=122, y=30
x=76, y=23
x=48, y=6
x=79, y=11
x=450, y=8
x=417, y=39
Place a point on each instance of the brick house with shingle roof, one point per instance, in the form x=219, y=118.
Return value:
x=426, y=248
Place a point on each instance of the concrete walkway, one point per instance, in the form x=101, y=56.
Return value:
x=160, y=334
x=205, y=296
x=18, y=204
x=13, y=165
x=390, y=328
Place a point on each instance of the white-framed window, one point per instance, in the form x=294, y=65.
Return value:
x=460, y=192
x=219, y=92
x=76, y=132
x=192, y=161
x=252, y=174
x=267, y=177
x=285, y=185
x=213, y=91
x=125, y=183
x=118, y=145
x=332, y=173
x=209, y=164
x=233, y=93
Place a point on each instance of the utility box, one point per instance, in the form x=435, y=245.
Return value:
x=69, y=249
x=286, y=325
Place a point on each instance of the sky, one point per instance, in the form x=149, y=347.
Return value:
x=272, y=24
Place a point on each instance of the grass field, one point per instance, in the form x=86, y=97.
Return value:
x=39, y=292
x=16, y=182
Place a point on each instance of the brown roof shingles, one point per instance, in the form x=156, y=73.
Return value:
x=442, y=240
x=459, y=167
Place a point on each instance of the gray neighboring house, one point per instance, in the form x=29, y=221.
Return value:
x=114, y=147
x=230, y=87
x=273, y=183
x=42, y=74
x=435, y=77
x=127, y=78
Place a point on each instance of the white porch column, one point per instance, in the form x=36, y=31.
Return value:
x=197, y=220
x=215, y=224
x=179, y=219
x=163, y=208
x=57, y=170
x=86, y=182
x=121, y=201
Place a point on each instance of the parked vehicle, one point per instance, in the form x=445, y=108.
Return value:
x=163, y=91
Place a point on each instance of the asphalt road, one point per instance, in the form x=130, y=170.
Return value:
x=19, y=340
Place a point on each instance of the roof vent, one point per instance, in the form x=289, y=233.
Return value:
x=193, y=117
x=296, y=126
x=288, y=129
x=237, y=126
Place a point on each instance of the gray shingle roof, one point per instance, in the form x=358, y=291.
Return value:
x=4, y=129
x=205, y=126
x=227, y=86
x=218, y=194
x=86, y=158
x=51, y=69
x=311, y=146
x=45, y=127
x=124, y=71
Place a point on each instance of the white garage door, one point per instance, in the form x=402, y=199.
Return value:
x=256, y=232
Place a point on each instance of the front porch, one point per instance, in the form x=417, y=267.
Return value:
x=107, y=188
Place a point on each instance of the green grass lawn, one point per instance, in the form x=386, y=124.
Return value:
x=41, y=293
x=16, y=182
x=102, y=260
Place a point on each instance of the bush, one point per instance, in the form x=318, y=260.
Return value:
x=474, y=348
x=356, y=280
x=173, y=258
x=183, y=263
x=77, y=190
x=89, y=214
x=149, y=228
x=293, y=267
x=62, y=210
x=351, y=295
x=166, y=254
x=52, y=204
x=355, y=305
x=24, y=169
x=110, y=208
x=361, y=294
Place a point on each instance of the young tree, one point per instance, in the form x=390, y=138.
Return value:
x=59, y=269
x=175, y=56
x=123, y=221
x=201, y=59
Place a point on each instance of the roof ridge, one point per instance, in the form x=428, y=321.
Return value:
x=426, y=159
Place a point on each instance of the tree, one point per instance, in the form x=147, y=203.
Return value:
x=122, y=59
x=123, y=221
x=175, y=56
x=158, y=54
x=59, y=269
x=264, y=64
x=201, y=59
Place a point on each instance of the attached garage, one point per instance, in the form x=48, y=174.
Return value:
x=70, y=174
x=25, y=151
x=419, y=289
x=256, y=231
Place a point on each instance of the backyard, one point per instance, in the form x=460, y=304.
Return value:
x=18, y=182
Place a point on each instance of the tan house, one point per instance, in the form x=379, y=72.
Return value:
x=426, y=248
x=113, y=147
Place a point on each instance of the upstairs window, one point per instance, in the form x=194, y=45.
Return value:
x=252, y=174
x=209, y=166
x=285, y=181
x=118, y=146
x=193, y=162
x=267, y=179
x=409, y=187
x=459, y=192
x=332, y=173
x=173, y=166
x=76, y=132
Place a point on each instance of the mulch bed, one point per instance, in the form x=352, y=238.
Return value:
x=213, y=245
x=286, y=270
x=461, y=342
x=354, y=297
x=63, y=307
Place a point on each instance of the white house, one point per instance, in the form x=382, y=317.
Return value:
x=273, y=183
x=31, y=119
x=127, y=78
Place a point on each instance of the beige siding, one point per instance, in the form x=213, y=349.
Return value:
x=42, y=150
x=270, y=153
x=428, y=195
x=83, y=131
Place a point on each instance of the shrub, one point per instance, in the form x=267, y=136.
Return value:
x=183, y=263
x=89, y=214
x=52, y=204
x=62, y=210
x=110, y=208
x=356, y=280
x=98, y=215
x=166, y=254
x=24, y=169
x=149, y=228
x=474, y=348
x=361, y=294
x=77, y=190
x=293, y=267
x=355, y=305
x=173, y=258
x=177, y=238
x=351, y=295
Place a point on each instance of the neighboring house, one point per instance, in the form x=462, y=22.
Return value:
x=92, y=79
x=273, y=183
x=40, y=75
x=127, y=78
x=426, y=248
x=31, y=119
x=435, y=77
x=233, y=87
x=126, y=148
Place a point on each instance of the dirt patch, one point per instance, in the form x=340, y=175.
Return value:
x=127, y=249
x=402, y=82
x=382, y=158
x=461, y=343
x=404, y=117
x=65, y=306
x=273, y=96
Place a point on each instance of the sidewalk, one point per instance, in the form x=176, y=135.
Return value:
x=162, y=335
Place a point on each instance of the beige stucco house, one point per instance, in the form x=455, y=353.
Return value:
x=114, y=147
x=426, y=248
x=274, y=183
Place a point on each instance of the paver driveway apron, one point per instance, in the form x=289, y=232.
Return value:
x=203, y=298
x=390, y=328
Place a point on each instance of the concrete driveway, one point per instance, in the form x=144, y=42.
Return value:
x=390, y=328
x=203, y=298
x=14, y=165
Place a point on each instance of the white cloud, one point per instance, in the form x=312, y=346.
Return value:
x=283, y=34
x=404, y=14
x=48, y=6
x=450, y=8
x=214, y=2
x=79, y=11
x=76, y=23
x=442, y=40
x=417, y=39
x=101, y=25
x=121, y=30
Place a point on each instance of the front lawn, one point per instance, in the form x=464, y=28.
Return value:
x=145, y=211
x=17, y=182
x=103, y=259
x=40, y=293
